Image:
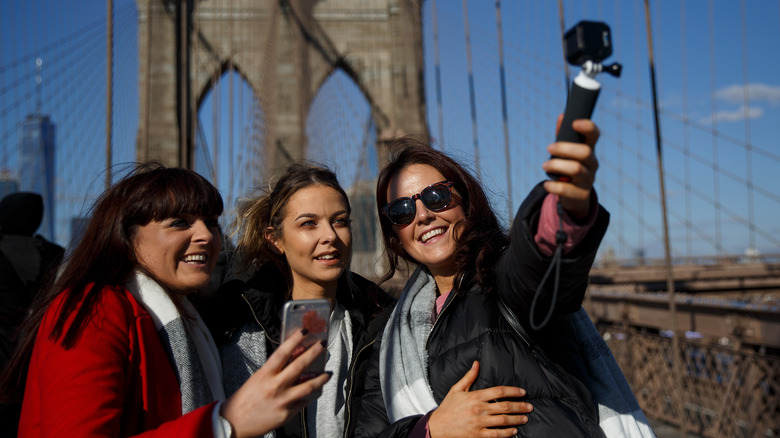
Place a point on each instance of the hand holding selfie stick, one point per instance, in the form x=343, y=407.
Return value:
x=587, y=44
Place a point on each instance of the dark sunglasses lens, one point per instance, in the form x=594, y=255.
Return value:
x=401, y=212
x=436, y=198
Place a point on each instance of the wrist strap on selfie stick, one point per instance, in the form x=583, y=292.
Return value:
x=586, y=44
x=560, y=239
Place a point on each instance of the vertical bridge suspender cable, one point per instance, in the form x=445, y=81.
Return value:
x=748, y=143
x=109, y=85
x=437, y=72
x=675, y=356
x=472, y=97
x=563, y=44
x=504, y=115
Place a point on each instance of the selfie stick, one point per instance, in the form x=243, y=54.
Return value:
x=582, y=99
x=587, y=44
x=585, y=89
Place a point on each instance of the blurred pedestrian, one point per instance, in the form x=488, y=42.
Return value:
x=26, y=259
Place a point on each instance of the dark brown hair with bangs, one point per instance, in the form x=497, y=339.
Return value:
x=105, y=255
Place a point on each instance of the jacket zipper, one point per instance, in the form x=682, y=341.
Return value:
x=351, y=384
x=302, y=416
x=257, y=320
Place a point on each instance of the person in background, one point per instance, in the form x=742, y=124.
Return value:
x=295, y=242
x=26, y=260
x=435, y=214
x=114, y=348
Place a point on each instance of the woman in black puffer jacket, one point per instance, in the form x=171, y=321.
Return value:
x=447, y=354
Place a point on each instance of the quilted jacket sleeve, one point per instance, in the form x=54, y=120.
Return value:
x=522, y=266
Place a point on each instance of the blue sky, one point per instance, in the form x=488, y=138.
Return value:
x=718, y=82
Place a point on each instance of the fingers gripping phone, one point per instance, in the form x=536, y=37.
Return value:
x=313, y=315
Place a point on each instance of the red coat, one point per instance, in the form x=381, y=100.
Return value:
x=116, y=381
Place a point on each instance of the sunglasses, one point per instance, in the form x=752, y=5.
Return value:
x=436, y=197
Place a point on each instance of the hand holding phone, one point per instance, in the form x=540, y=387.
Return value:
x=271, y=396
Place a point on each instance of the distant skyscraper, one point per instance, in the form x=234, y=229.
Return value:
x=8, y=186
x=36, y=173
x=77, y=227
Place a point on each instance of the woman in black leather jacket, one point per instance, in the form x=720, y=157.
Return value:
x=296, y=243
x=446, y=342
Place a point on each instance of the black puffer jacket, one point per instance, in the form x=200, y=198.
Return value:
x=470, y=327
x=260, y=300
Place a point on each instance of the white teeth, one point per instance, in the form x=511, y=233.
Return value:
x=430, y=234
x=327, y=257
x=195, y=258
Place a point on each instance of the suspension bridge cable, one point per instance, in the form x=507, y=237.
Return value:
x=718, y=170
x=88, y=32
x=686, y=131
x=437, y=74
x=562, y=25
x=146, y=107
x=504, y=111
x=184, y=90
x=639, y=138
x=231, y=87
x=713, y=106
x=675, y=360
x=79, y=115
x=84, y=70
x=472, y=97
x=59, y=63
x=734, y=215
x=748, y=147
x=619, y=143
x=109, y=86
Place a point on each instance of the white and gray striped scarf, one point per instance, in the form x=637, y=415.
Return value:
x=187, y=341
x=403, y=359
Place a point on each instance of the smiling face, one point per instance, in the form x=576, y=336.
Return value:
x=180, y=253
x=315, y=239
x=430, y=238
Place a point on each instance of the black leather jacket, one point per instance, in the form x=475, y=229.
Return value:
x=470, y=327
x=260, y=300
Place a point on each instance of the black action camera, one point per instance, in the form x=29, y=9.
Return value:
x=587, y=41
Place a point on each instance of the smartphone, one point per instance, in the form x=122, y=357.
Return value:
x=313, y=315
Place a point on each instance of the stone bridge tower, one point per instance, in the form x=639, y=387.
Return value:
x=285, y=50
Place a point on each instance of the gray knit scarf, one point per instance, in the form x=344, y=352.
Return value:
x=403, y=359
x=403, y=363
x=187, y=341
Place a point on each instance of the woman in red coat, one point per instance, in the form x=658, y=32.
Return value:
x=114, y=348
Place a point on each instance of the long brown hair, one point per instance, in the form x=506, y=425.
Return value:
x=268, y=209
x=479, y=236
x=105, y=255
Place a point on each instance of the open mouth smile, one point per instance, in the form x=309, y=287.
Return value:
x=329, y=256
x=431, y=234
x=195, y=258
